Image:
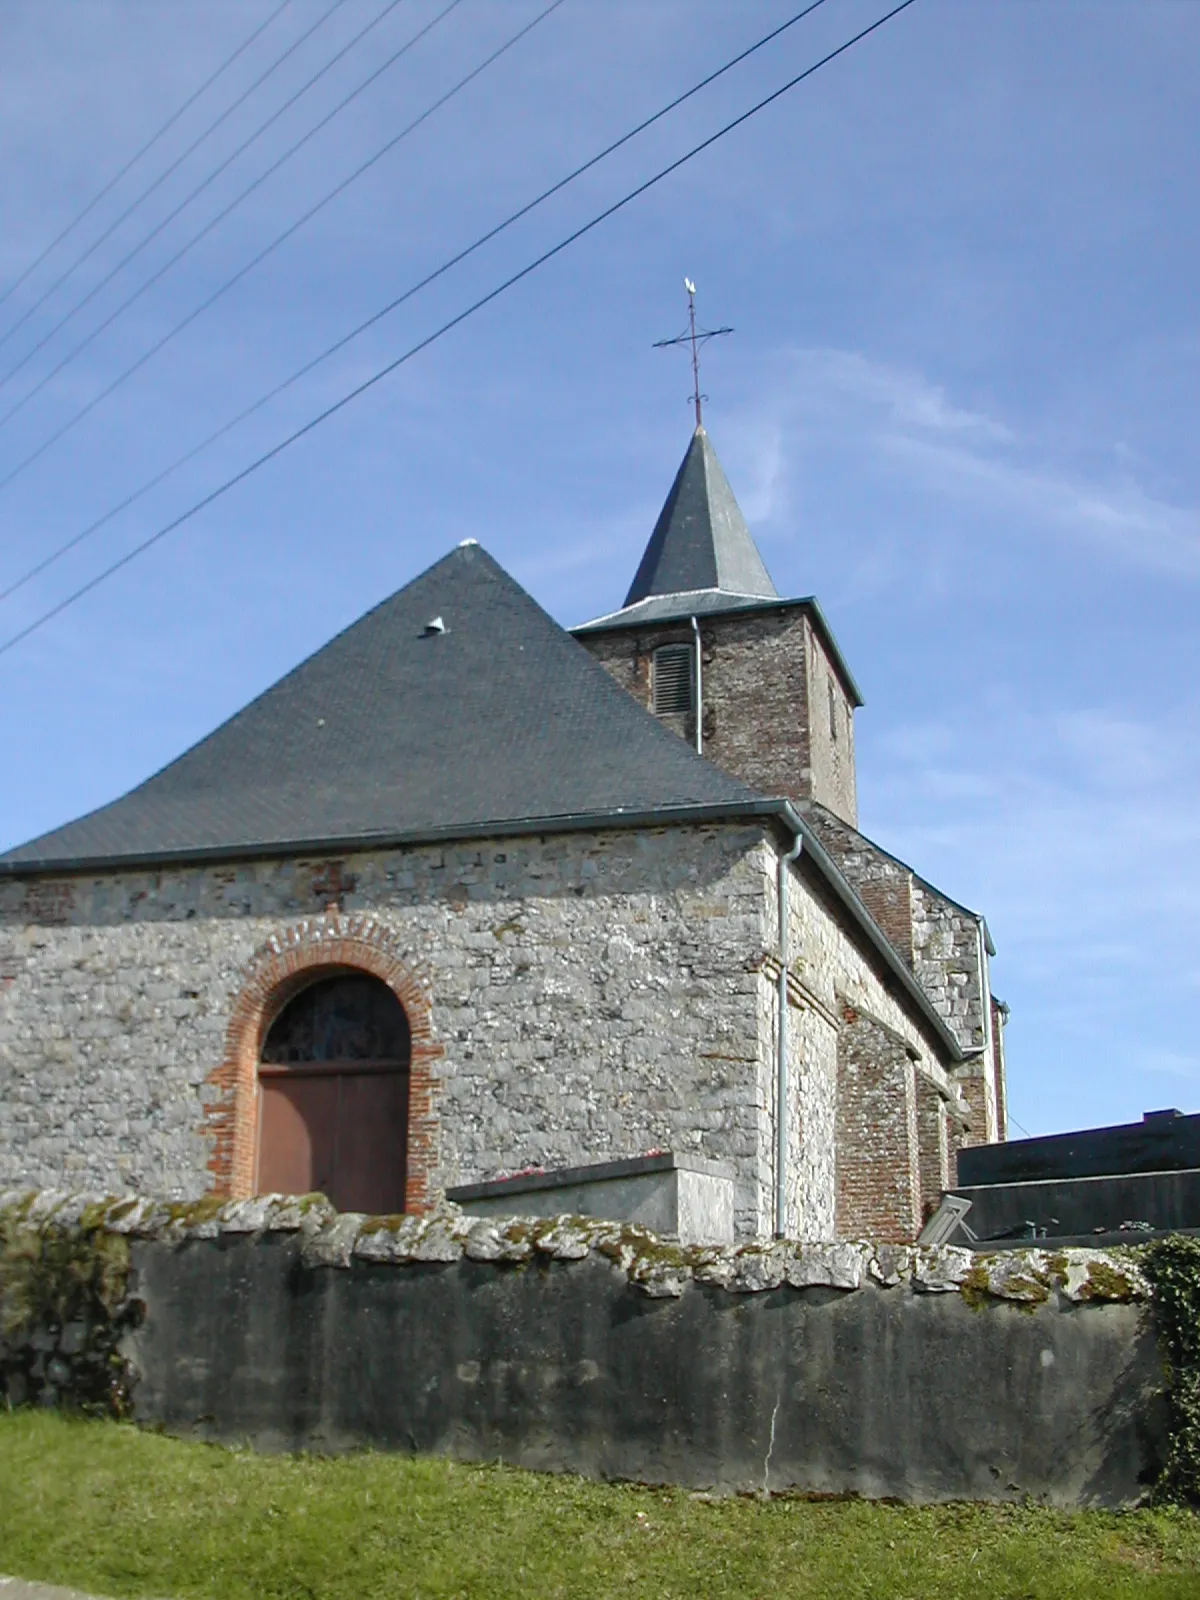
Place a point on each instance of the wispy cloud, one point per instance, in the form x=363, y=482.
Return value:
x=977, y=463
x=1077, y=833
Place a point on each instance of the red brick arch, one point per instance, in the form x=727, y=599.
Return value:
x=289, y=961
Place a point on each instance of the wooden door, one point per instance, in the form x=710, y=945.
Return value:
x=332, y=1118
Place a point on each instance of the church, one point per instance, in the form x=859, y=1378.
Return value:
x=466, y=894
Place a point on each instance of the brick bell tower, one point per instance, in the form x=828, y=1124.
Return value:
x=705, y=642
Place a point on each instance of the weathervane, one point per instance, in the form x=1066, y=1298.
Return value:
x=695, y=337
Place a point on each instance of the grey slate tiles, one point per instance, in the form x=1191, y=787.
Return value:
x=399, y=728
x=700, y=540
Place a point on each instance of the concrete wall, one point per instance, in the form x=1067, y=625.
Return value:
x=679, y=1198
x=583, y=1347
x=1061, y=1208
x=767, y=683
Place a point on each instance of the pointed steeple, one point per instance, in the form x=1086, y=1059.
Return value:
x=701, y=540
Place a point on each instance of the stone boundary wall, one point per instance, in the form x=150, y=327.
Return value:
x=574, y=1345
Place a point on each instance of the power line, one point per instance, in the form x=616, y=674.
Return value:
x=423, y=344
x=339, y=344
x=212, y=223
x=170, y=217
x=144, y=150
x=166, y=173
x=275, y=243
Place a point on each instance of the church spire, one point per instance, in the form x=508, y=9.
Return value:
x=701, y=540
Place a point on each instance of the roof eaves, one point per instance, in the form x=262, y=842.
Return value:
x=614, y=618
x=382, y=839
x=573, y=822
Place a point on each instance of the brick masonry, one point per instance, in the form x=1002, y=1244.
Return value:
x=878, y=1181
x=573, y=998
x=767, y=688
x=944, y=945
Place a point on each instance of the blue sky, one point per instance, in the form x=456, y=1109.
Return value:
x=960, y=407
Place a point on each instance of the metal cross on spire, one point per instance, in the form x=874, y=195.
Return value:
x=695, y=337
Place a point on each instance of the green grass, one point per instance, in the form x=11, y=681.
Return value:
x=102, y=1507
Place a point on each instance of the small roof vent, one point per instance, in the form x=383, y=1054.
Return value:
x=434, y=625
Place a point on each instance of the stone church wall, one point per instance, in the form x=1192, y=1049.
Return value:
x=590, y=995
x=835, y=1117
x=593, y=994
x=942, y=943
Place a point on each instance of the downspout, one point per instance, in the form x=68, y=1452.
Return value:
x=699, y=687
x=781, y=1060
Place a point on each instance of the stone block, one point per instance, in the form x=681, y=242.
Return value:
x=679, y=1197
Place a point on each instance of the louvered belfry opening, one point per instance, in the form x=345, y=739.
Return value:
x=334, y=1080
x=671, y=680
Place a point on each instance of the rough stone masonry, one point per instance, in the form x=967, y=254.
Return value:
x=591, y=994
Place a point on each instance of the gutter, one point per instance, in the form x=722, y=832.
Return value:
x=386, y=838
x=758, y=808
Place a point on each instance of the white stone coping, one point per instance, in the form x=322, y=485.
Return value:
x=595, y=1172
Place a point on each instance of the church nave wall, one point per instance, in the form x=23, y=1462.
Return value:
x=594, y=995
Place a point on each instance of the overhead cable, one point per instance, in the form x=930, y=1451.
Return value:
x=423, y=344
x=340, y=344
x=275, y=243
x=166, y=221
x=212, y=223
x=143, y=150
x=166, y=173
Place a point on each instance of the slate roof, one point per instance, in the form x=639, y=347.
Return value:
x=702, y=562
x=700, y=540
x=393, y=730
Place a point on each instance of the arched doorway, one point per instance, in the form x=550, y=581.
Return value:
x=334, y=1087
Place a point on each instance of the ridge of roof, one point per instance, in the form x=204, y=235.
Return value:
x=457, y=703
x=700, y=540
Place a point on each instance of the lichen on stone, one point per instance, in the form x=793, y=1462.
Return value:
x=829, y=1266
x=506, y=1239
x=563, y=1238
x=941, y=1269
x=63, y=1307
